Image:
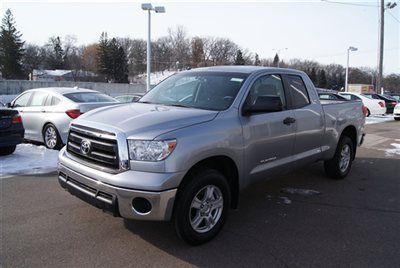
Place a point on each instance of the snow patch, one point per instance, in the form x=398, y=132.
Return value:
x=305, y=192
x=393, y=151
x=376, y=119
x=29, y=159
x=156, y=77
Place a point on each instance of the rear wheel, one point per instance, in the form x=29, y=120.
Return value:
x=7, y=150
x=51, y=137
x=339, y=166
x=202, y=207
x=397, y=118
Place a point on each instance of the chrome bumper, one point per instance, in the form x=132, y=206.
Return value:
x=115, y=199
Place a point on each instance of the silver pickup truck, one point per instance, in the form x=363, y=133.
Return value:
x=191, y=144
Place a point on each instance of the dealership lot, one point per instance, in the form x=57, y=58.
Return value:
x=353, y=222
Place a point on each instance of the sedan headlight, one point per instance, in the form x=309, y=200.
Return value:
x=150, y=150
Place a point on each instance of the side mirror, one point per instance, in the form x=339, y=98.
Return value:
x=263, y=104
x=8, y=105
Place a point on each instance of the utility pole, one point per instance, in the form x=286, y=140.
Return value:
x=381, y=43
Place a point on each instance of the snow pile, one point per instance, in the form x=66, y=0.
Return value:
x=393, y=151
x=29, y=159
x=375, y=119
x=305, y=192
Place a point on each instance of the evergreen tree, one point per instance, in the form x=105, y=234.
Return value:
x=275, y=63
x=103, y=58
x=197, y=51
x=257, y=61
x=239, y=60
x=313, y=75
x=322, y=82
x=11, y=48
x=55, y=54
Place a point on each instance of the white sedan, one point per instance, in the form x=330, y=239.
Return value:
x=396, y=112
x=375, y=107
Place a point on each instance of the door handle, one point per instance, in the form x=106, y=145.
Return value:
x=289, y=120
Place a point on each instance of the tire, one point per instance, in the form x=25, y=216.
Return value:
x=51, y=138
x=7, y=150
x=397, y=118
x=335, y=168
x=197, y=222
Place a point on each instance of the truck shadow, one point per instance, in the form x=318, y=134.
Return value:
x=267, y=229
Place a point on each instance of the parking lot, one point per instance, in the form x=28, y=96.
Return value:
x=353, y=222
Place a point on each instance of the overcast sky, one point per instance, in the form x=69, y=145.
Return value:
x=315, y=30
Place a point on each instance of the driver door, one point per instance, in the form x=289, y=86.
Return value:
x=268, y=136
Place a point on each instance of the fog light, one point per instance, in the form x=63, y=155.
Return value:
x=141, y=205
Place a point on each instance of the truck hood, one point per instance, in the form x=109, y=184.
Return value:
x=142, y=120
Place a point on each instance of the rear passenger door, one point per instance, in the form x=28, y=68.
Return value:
x=309, y=117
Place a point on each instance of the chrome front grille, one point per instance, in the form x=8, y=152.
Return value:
x=93, y=146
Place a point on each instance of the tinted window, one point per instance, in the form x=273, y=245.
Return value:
x=89, y=97
x=22, y=101
x=203, y=90
x=350, y=97
x=39, y=98
x=298, y=91
x=267, y=86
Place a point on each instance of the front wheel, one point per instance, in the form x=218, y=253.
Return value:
x=51, y=137
x=397, y=118
x=202, y=207
x=339, y=166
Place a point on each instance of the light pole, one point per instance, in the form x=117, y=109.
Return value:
x=149, y=7
x=346, y=85
x=278, y=52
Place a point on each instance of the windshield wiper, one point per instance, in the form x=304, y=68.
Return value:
x=179, y=105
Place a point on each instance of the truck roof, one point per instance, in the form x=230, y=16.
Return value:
x=245, y=69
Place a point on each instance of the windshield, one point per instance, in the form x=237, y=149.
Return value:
x=203, y=90
x=89, y=97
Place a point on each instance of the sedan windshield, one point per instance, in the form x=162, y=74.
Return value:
x=203, y=90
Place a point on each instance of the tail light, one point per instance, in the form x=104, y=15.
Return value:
x=394, y=103
x=382, y=104
x=365, y=110
x=75, y=113
x=16, y=119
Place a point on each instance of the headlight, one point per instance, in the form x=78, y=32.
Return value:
x=150, y=150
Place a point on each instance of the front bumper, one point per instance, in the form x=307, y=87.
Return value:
x=89, y=187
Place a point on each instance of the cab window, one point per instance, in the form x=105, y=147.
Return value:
x=267, y=86
x=298, y=91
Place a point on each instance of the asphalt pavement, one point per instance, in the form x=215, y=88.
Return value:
x=353, y=222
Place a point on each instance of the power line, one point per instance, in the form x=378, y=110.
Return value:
x=349, y=4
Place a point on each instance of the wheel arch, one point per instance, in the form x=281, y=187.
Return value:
x=351, y=132
x=223, y=164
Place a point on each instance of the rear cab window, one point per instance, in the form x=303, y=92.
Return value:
x=298, y=92
x=82, y=97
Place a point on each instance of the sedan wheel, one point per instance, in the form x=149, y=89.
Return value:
x=51, y=137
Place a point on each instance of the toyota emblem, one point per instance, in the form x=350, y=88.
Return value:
x=85, y=147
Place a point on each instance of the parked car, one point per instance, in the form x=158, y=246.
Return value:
x=374, y=107
x=390, y=102
x=129, y=98
x=191, y=144
x=328, y=95
x=11, y=130
x=47, y=112
x=396, y=112
x=395, y=96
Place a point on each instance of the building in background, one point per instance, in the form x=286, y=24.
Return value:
x=361, y=88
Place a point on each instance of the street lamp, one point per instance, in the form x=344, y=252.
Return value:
x=347, y=68
x=160, y=9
